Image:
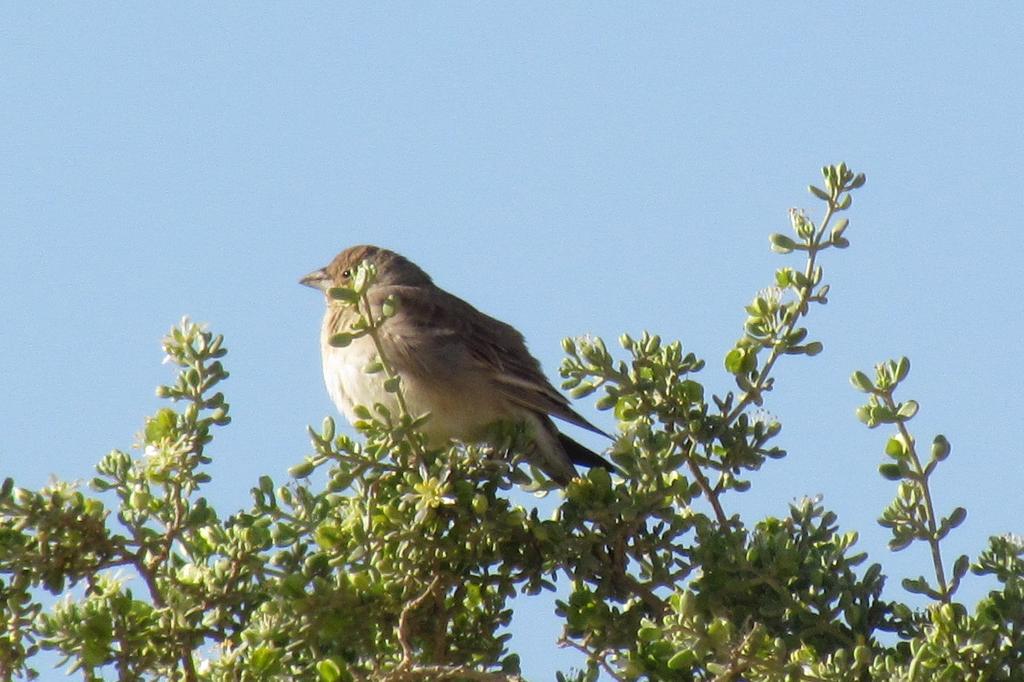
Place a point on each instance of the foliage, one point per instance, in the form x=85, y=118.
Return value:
x=387, y=560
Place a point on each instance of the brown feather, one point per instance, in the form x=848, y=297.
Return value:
x=464, y=367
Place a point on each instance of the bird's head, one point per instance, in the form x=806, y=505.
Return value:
x=392, y=269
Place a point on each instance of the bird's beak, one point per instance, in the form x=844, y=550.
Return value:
x=317, y=280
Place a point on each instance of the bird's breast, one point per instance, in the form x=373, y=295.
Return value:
x=347, y=382
x=461, y=404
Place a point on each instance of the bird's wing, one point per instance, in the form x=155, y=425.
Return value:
x=432, y=326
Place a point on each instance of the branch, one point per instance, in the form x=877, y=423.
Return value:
x=403, y=622
x=705, y=486
x=805, y=295
x=598, y=657
x=922, y=481
x=446, y=672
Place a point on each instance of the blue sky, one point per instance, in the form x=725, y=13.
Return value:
x=581, y=168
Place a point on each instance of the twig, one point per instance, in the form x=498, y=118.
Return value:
x=776, y=349
x=372, y=330
x=737, y=660
x=922, y=481
x=705, y=487
x=702, y=480
x=403, y=621
x=655, y=603
x=598, y=657
x=446, y=672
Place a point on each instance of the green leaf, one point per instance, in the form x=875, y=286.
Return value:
x=900, y=542
x=340, y=481
x=734, y=361
x=915, y=586
x=343, y=294
x=390, y=306
x=781, y=243
x=391, y=384
x=161, y=425
x=648, y=633
x=960, y=566
x=328, y=670
x=907, y=410
x=511, y=664
x=958, y=516
x=818, y=192
x=329, y=536
x=97, y=484
x=582, y=391
x=920, y=586
x=890, y=471
x=902, y=369
x=861, y=382
x=895, y=447
x=302, y=469
x=139, y=500
x=340, y=340
x=940, y=448
x=263, y=659
x=880, y=414
x=839, y=228
x=682, y=660
x=327, y=429
x=361, y=279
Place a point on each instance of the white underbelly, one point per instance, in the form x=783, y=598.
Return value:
x=458, y=409
x=347, y=382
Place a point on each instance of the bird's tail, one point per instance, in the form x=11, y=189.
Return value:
x=578, y=454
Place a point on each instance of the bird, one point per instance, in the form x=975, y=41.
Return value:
x=468, y=370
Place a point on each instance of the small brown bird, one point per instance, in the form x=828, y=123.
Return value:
x=468, y=370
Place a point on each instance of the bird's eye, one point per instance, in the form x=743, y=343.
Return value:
x=346, y=273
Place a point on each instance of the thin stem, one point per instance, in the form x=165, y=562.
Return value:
x=598, y=657
x=148, y=571
x=702, y=480
x=379, y=346
x=392, y=375
x=922, y=479
x=737, y=663
x=705, y=486
x=448, y=673
x=653, y=601
x=805, y=295
x=404, y=635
